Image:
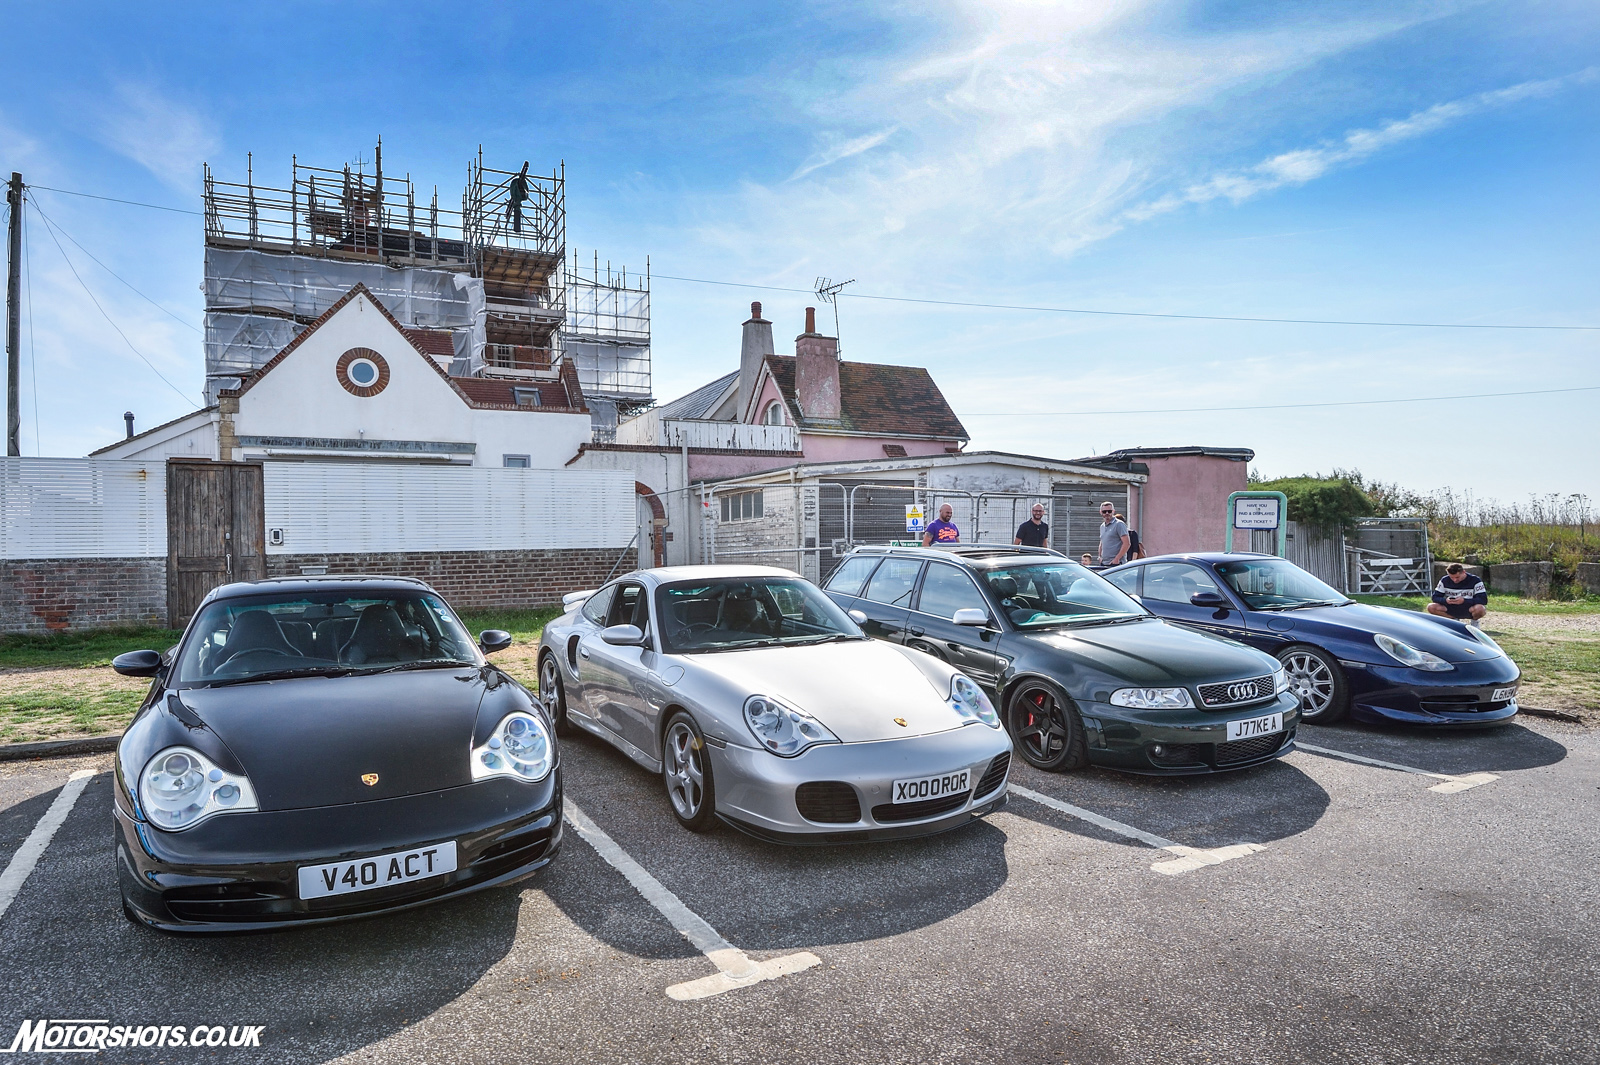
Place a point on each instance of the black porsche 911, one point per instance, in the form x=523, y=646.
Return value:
x=322, y=748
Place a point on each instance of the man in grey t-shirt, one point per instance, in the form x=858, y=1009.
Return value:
x=1113, y=536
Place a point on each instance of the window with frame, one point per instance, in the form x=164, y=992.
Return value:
x=893, y=581
x=597, y=605
x=852, y=574
x=774, y=414
x=628, y=608
x=527, y=397
x=516, y=462
x=946, y=589
x=743, y=506
x=1175, y=582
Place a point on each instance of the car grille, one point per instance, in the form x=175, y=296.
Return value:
x=828, y=802
x=995, y=775
x=889, y=812
x=1246, y=750
x=1236, y=692
x=1461, y=704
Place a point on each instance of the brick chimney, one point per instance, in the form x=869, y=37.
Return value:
x=816, y=372
x=757, y=346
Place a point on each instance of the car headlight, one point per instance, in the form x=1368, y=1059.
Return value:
x=968, y=700
x=1280, y=681
x=180, y=787
x=1484, y=638
x=782, y=729
x=1152, y=698
x=518, y=747
x=1407, y=655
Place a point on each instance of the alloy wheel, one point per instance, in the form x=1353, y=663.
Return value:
x=684, y=772
x=550, y=688
x=1310, y=679
x=1042, y=729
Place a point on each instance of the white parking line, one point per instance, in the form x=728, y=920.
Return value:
x=1188, y=858
x=32, y=848
x=1450, y=784
x=736, y=968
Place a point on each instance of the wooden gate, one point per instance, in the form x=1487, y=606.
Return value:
x=216, y=530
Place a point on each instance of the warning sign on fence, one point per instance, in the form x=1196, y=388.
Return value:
x=914, y=518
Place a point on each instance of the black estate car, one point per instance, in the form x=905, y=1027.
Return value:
x=322, y=748
x=1081, y=672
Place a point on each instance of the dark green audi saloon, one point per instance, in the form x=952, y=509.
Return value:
x=1082, y=673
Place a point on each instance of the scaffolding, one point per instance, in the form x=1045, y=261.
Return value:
x=491, y=272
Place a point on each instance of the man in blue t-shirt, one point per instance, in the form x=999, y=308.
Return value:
x=1459, y=595
x=941, y=530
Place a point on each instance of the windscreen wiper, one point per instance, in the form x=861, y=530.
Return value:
x=280, y=674
x=423, y=663
x=828, y=638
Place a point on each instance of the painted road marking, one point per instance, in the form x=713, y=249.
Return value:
x=1450, y=784
x=1188, y=858
x=32, y=849
x=736, y=969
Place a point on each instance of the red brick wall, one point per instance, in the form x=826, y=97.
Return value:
x=476, y=580
x=61, y=594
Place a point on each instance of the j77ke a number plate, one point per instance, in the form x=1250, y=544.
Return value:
x=932, y=787
x=1255, y=726
x=379, y=871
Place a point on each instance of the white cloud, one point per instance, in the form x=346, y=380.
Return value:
x=843, y=150
x=1308, y=164
x=167, y=138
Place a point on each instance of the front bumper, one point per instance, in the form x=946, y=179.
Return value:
x=1189, y=741
x=758, y=792
x=239, y=872
x=1459, y=698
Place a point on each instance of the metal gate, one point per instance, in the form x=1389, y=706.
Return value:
x=216, y=530
x=1390, y=556
x=1075, y=516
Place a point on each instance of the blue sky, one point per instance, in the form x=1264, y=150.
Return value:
x=1429, y=162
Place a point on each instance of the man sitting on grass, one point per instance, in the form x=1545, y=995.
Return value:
x=1459, y=595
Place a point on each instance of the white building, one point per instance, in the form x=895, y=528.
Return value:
x=356, y=385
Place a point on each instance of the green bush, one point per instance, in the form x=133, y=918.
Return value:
x=1327, y=502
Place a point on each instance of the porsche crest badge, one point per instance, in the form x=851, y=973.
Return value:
x=369, y=779
x=901, y=722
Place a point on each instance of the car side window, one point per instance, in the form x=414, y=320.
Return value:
x=628, y=607
x=852, y=574
x=1175, y=582
x=893, y=581
x=1127, y=580
x=600, y=602
x=946, y=589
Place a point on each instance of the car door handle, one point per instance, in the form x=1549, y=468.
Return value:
x=915, y=632
x=583, y=652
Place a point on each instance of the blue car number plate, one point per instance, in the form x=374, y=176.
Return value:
x=1255, y=726
x=920, y=788
x=378, y=871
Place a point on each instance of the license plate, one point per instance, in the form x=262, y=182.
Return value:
x=1503, y=694
x=933, y=787
x=1255, y=726
x=379, y=871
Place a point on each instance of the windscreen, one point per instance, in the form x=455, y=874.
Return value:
x=1276, y=584
x=721, y=615
x=1058, y=593
x=261, y=637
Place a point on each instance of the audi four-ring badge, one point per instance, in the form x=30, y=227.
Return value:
x=761, y=703
x=321, y=748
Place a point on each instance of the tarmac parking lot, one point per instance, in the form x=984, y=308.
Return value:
x=1377, y=896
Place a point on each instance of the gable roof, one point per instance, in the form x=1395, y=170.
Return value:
x=201, y=416
x=568, y=401
x=877, y=398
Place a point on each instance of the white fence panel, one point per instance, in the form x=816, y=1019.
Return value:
x=731, y=435
x=360, y=508
x=82, y=508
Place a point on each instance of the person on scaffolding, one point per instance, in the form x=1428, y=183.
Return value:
x=519, y=196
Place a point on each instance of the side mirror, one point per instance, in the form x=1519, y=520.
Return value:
x=492, y=640
x=971, y=616
x=1214, y=600
x=623, y=636
x=137, y=663
x=857, y=616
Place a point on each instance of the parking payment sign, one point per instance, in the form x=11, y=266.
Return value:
x=915, y=520
x=1256, y=514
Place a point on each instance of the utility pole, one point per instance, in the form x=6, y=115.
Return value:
x=14, y=320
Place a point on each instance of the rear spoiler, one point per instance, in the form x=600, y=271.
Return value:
x=572, y=599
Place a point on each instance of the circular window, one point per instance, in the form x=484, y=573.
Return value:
x=363, y=372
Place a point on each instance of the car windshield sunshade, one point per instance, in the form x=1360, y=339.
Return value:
x=1058, y=593
x=335, y=633
x=738, y=612
x=1276, y=584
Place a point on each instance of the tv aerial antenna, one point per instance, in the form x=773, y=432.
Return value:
x=828, y=292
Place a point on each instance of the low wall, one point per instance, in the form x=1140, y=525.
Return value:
x=475, y=580
x=1531, y=579
x=62, y=594
x=1589, y=577
x=1440, y=568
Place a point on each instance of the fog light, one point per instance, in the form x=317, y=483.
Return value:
x=1157, y=750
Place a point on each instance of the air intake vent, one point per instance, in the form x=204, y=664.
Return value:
x=994, y=776
x=890, y=812
x=828, y=802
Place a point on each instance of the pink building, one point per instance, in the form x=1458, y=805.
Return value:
x=1184, y=504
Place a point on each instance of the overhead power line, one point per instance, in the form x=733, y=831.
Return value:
x=51, y=230
x=113, y=199
x=1272, y=406
x=60, y=228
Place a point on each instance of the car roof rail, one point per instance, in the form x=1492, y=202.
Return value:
x=985, y=550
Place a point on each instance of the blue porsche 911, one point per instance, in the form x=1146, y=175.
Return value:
x=1343, y=657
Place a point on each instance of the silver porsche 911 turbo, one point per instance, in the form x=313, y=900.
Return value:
x=761, y=702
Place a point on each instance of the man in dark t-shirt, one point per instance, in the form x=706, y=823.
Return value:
x=1034, y=532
